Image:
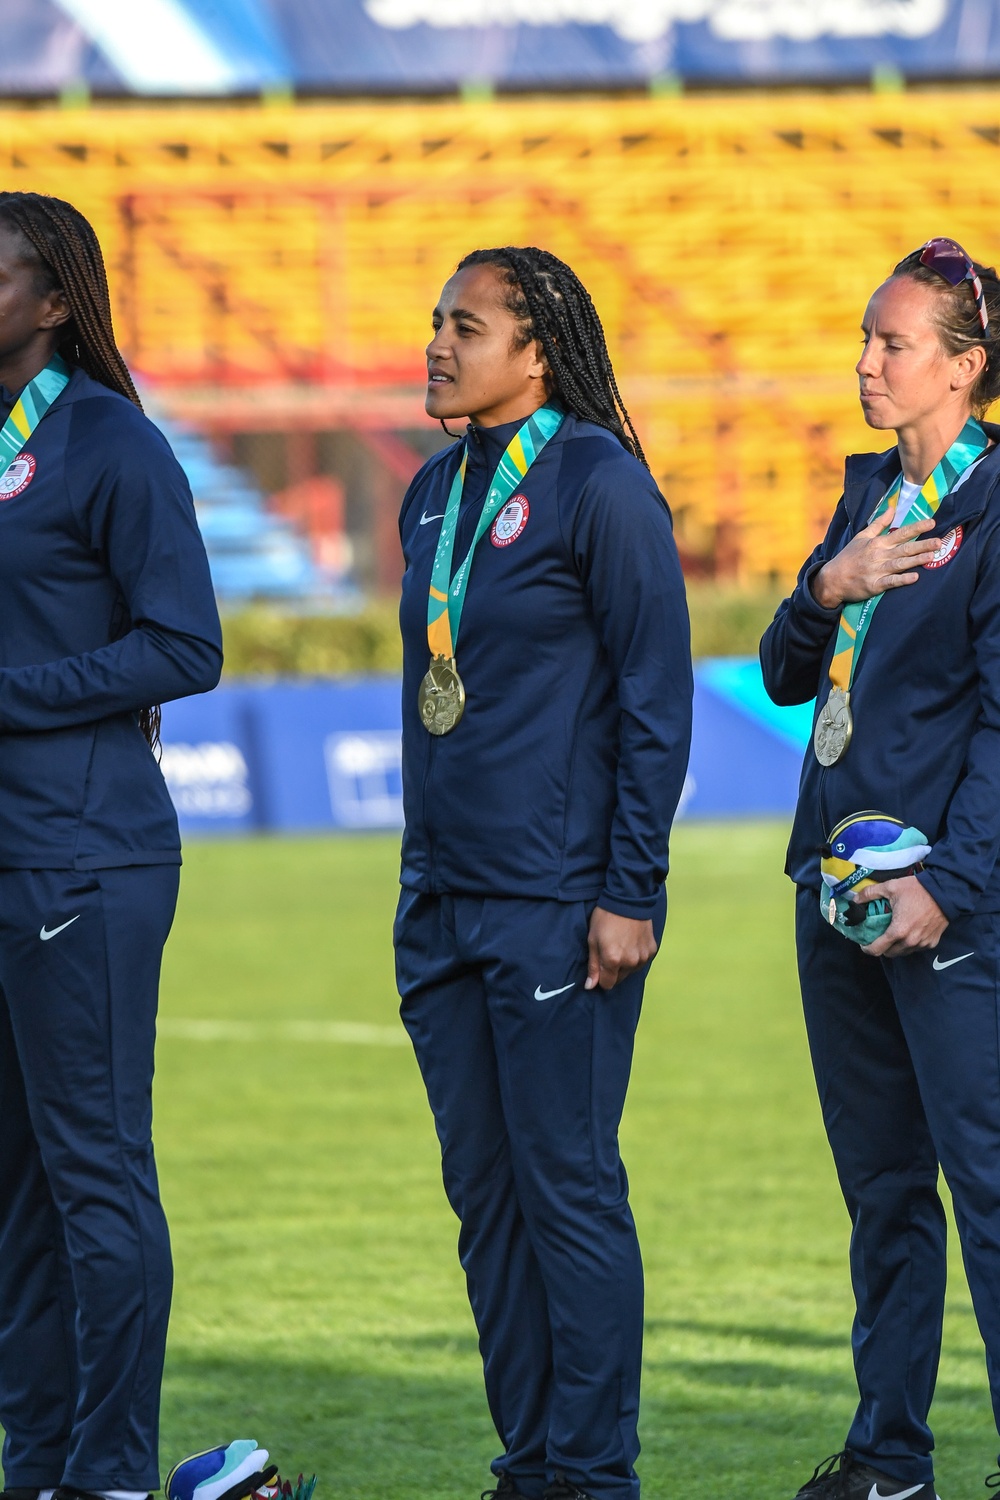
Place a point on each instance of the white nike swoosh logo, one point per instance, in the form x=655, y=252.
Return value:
x=425, y=518
x=541, y=994
x=45, y=935
x=876, y=1494
x=937, y=964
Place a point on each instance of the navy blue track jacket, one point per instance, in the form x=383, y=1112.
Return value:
x=926, y=692
x=562, y=778
x=106, y=607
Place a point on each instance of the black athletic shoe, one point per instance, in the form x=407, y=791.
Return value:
x=17, y=1494
x=506, y=1489
x=561, y=1489
x=65, y=1492
x=841, y=1477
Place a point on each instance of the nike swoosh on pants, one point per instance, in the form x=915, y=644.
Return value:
x=541, y=994
x=56, y=930
x=938, y=965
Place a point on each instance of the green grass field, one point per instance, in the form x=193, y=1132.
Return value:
x=319, y=1306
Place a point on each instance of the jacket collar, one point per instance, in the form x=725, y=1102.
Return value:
x=82, y=387
x=867, y=476
x=487, y=444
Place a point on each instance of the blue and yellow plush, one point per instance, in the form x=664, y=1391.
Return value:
x=866, y=849
x=233, y=1471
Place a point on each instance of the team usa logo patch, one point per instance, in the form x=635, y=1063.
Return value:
x=947, y=548
x=17, y=476
x=510, y=522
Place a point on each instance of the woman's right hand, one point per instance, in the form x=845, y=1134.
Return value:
x=873, y=561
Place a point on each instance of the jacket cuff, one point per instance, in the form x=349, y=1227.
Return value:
x=804, y=600
x=955, y=898
x=640, y=909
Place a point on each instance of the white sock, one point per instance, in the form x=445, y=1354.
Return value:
x=112, y=1495
x=45, y=1494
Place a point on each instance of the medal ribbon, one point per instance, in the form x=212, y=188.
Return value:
x=30, y=407
x=446, y=598
x=856, y=617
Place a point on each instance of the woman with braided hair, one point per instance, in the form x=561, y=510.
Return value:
x=106, y=607
x=546, y=722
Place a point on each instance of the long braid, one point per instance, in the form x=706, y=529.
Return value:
x=553, y=306
x=68, y=256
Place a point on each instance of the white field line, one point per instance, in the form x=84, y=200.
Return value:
x=351, y=1033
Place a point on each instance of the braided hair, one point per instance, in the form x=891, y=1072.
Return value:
x=65, y=254
x=553, y=307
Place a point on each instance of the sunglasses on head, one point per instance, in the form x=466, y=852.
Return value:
x=949, y=260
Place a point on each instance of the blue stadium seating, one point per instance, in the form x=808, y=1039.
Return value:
x=252, y=554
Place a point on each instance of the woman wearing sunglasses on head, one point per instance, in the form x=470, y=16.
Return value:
x=894, y=626
x=546, y=721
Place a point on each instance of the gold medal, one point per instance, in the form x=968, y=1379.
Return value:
x=441, y=701
x=834, y=727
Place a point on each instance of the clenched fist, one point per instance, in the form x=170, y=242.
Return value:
x=618, y=946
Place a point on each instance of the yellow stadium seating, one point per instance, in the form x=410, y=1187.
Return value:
x=729, y=241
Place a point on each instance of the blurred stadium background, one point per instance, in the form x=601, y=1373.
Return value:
x=274, y=267
x=281, y=187
x=275, y=251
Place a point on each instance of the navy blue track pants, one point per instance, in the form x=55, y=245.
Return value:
x=85, y=1272
x=526, y=1074
x=906, y=1053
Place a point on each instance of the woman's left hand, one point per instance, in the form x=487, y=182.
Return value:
x=917, y=920
x=617, y=946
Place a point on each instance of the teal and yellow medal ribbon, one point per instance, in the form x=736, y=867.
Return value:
x=835, y=721
x=447, y=595
x=442, y=694
x=30, y=407
x=856, y=617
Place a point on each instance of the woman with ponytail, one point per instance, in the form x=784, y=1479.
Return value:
x=106, y=610
x=546, y=721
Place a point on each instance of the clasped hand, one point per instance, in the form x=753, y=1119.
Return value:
x=917, y=920
x=873, y=561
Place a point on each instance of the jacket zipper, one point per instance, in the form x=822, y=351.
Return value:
x=427, y=827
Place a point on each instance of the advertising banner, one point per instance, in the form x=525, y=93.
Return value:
x=360, y=46
x=298, y=757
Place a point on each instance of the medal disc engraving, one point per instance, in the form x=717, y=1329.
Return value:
x=441, y=701
x=834, y=728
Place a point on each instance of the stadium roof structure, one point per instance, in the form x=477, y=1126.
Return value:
x=232, y=47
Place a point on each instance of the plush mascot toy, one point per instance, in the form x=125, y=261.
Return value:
x=866, y=849
x=233, y=1471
